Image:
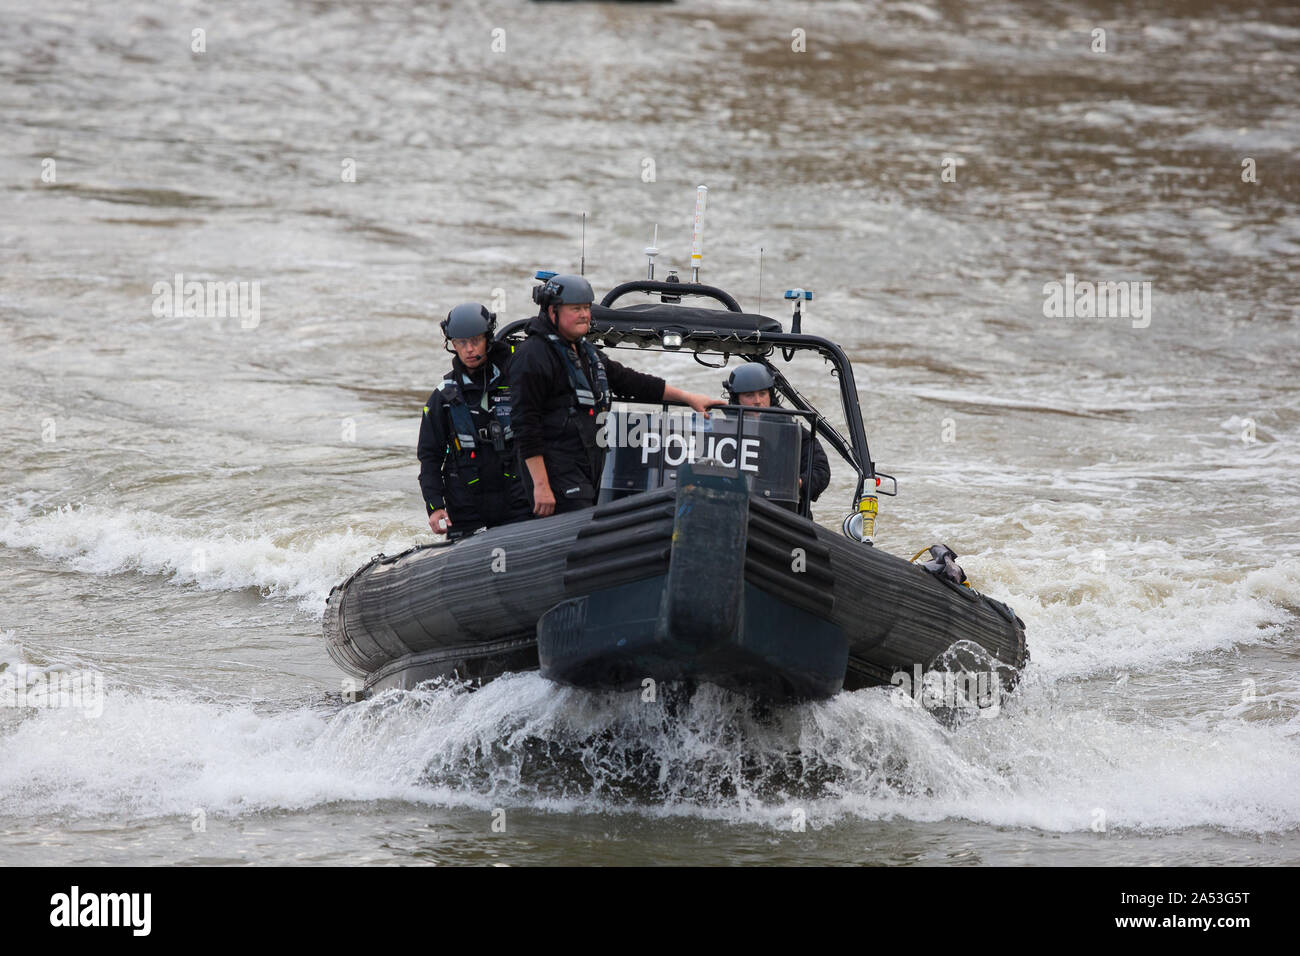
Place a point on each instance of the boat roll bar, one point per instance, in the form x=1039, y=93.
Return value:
x=648, y=330
x=671, y=289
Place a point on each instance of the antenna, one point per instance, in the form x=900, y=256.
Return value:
x=651, y=251
x=582, y=263
x=697, y=237
x=760, y=280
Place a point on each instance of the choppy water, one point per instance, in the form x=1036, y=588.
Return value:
x=180, y=493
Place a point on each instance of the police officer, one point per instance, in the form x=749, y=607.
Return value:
x=752, y=384
x=560, y=386
x=468, y=472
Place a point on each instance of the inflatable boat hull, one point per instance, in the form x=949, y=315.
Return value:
x=699, y=582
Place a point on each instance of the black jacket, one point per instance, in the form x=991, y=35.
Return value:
x=479, y=487
x=548, y=421
x=821, y=466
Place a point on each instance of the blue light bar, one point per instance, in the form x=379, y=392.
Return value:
x=799, y=294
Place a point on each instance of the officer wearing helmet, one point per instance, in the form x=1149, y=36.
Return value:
x=753, y=384
x=468, y=471
x=560, y=388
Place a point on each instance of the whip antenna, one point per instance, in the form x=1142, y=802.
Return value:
x=582, y=262
x=760, y=280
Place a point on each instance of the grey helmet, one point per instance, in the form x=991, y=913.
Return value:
x=468, y=320
x=563, y=290
x=750, y=377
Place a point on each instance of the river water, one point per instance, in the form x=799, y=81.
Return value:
x=180, y=493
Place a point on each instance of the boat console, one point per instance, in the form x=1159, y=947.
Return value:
x=644, y=449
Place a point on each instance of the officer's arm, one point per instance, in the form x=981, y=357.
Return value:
x=631, y=384
x=530, y=380
x=543, y=497
x=700, y=403
x=431, y=450
x=639, y=387
x=821, y=465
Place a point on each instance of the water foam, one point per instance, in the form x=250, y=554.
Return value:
x=1135, y=605
x=523, y=742
x=301, y=564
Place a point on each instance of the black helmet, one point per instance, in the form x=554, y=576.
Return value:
x=468, y=320
x=563, y=290
x=750, y=377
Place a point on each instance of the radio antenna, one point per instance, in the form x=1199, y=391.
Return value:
x=760, y=280
x=697, y=234
x=651, y=251
x=582, y=262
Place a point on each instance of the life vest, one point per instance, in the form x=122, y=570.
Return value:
x=466, y=439
x=596, y=400
x=588, y=402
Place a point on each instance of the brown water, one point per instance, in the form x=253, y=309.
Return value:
x=182, y=492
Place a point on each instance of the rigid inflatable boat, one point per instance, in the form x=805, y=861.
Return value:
x=700, y=561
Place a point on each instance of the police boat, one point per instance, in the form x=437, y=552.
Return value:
x=700, y=561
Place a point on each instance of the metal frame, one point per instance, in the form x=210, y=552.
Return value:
x=855, y=451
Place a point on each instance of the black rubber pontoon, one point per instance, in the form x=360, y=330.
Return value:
x=695, y=582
